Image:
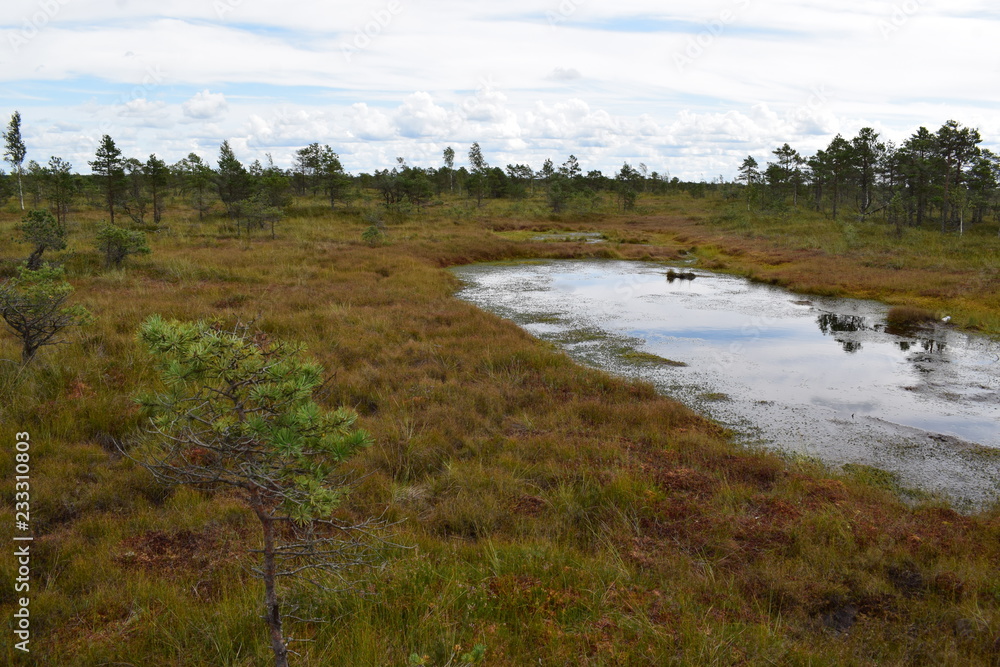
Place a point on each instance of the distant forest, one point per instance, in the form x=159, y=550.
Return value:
x=944, y=179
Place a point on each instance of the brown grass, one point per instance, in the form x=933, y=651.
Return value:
x=902, y=317
x=559, y=515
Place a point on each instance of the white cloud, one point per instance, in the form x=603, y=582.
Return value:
x=370, y=124
x=140, y=112
x=487, y=105
x=279, y=87
x=565, y=74
x=140, y=107
x=419, y=116
x=206, y=106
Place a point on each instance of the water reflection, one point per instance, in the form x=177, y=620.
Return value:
x=934, y=346
x=874, y=398
x=830, y=323
x=850, y=346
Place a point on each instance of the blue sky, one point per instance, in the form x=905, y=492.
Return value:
x=686, y=88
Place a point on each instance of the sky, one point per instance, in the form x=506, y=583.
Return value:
x=686, y=88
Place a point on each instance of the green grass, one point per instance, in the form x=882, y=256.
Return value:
x=945, y=274
x=554, y=514
x=639, y=356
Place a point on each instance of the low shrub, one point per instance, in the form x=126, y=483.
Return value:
x=908, y=316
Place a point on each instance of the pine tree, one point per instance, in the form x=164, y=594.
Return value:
x=110, y=168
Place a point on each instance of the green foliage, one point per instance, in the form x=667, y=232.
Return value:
x=479, y=180
x=61, y=186
x=42, y=230
x=257, y=212
x=157, y=178
x=117, y=243
x=474, y=657
x=136, y=194
x=15, y=150
x=559, y=192
x=33, y=304
x=109, y=167
x=415, y=185
x=627, y=181
x=318, y=167
x=231, y=179
x=238, y=411
x=373, y=235
x=196, y=178
x=5, y=187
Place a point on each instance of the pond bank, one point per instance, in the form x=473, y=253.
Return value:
x=809, y=376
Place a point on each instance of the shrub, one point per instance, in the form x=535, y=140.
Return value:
x=42, y=230
x=906, y=317
x=373, y=236
x=238, y=414
x=117, y=243
x=33, y=304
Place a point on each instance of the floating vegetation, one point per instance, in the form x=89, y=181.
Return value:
x=581, y=335
x=680, y=275
x=902, y=320
x=552, y=236
x=543, y=318
x=648, y=358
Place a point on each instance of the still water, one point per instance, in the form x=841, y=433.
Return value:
x=815, y=376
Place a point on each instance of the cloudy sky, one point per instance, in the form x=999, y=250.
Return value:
x=688, y=88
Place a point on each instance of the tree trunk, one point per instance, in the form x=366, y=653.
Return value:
x=946, y=204
x=20, y=190
x=156, y=206
x=272, y=607
x=35, y=259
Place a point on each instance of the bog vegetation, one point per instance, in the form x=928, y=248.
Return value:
x=544, y=512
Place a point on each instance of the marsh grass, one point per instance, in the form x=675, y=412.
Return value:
x=952, y=274
x=907, y=317
x=638, y=356
x=559, y=515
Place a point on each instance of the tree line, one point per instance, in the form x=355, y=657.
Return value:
x=942, y=177
x=254, y=195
